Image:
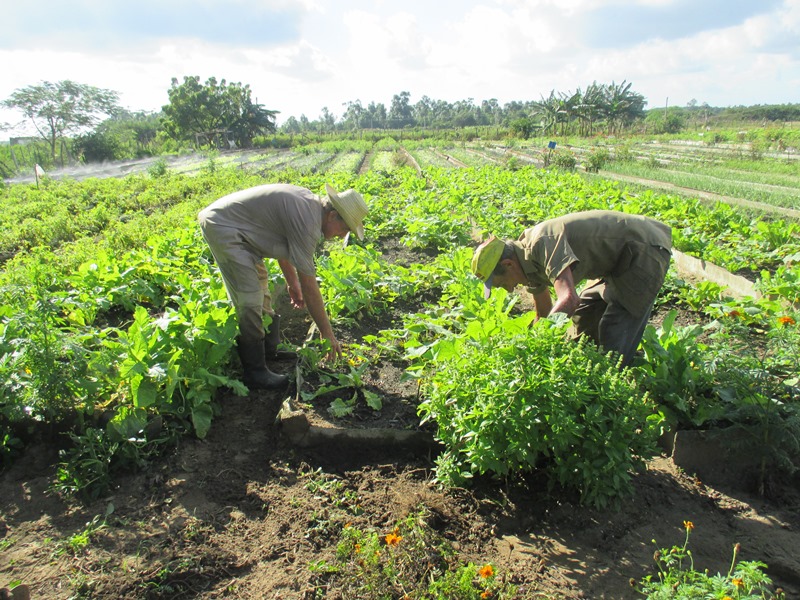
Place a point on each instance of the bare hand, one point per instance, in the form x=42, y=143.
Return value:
x=335, y=352
x=296, y=296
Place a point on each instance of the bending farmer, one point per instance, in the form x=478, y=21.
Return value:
x=624, y=256
x=284, y=222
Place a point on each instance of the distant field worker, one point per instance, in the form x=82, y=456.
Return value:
x=624, y=256
x=287, y=223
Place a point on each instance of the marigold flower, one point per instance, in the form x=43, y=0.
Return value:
x=486, y=571
x=786, y=320
x=737, y=582
x=734, y=313
x=486, y=594
x=727, y=598
x=358, y=548
x=688, y=525
x=392, y=539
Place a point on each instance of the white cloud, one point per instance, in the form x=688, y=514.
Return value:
x=300, y=55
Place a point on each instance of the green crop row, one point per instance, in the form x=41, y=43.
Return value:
x=120, y=333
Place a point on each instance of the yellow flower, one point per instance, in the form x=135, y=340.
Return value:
x=358, y=548
x=688, y=525
x=392, y=539
x=786, y=320
x=737, y=582
x=486, y=571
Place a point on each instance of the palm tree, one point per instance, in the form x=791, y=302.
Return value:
x=622, y=106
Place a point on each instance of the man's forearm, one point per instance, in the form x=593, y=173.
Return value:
x=289, y=272
x=315, y=304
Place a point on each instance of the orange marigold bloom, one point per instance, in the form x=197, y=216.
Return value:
x=688, y=525
x=486, y=571
x=486, y=594
x=786, y=320
x=737, y=582
x=392, y=539
x=734, y=313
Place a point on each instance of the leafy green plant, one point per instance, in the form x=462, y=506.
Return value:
x=678, y=578
x=675, y=374
x=158, y=169
x=352, y=381
x=411, y=560
x=702, y=295
x=596, y=159
x=564, y=159
x=757, y=379
x=355, y=280
x=508, y=400
x=78, y=542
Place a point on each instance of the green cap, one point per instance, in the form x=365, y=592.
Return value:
x=484, y=261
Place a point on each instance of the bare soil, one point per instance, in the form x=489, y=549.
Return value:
x=238, y=514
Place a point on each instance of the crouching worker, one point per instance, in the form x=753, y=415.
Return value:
x=625, y=258
x=287, y=223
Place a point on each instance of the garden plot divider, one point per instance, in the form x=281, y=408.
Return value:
x=299, y=430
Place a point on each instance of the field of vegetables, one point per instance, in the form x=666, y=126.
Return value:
x=136, y=464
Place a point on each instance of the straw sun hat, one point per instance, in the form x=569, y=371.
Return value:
x=351, y=207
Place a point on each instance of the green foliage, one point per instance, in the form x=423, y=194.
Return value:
x=506, y=400
x=675, y=374
x=564, y=159
x=411, y=560
x=351, y=381
x=57, y=109
x=678, y=578
x=596, y=159
x=205, y=110
x=158, y=169
x=758, y=379
x=357, y=282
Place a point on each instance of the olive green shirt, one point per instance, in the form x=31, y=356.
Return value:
x=629, y=252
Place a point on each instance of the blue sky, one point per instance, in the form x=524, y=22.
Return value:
x=299, y=56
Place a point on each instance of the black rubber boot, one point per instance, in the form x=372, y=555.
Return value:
x=272, y=337
x=256, y=373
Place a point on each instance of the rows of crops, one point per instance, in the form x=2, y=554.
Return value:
x=115, y=327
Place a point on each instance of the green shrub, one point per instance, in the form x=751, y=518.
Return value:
x=596, y=159
x=563, y=159
x=512, y=403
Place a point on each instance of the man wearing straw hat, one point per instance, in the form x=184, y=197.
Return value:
x=287, y=223
x=625, y=257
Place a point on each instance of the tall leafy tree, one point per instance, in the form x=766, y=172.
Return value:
x=58, y=109
x=622, y=106
x=203, y=111
x=353, y=115
x=400, y=112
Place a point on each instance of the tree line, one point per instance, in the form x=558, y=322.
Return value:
x=88, y=124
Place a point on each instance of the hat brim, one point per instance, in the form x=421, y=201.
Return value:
x=357, y=228
x=487, y=286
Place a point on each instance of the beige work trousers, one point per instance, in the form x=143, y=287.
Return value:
x=245, y=277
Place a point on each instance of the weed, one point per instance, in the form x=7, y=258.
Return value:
x=678, y=578
x=410, y=560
